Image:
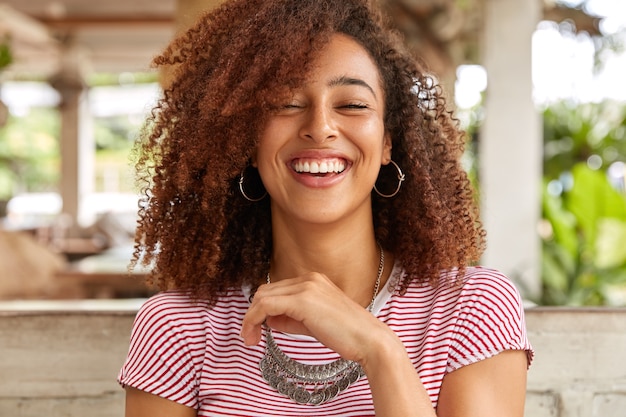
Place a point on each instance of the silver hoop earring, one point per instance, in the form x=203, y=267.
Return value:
x=400, y=179
x=243, y=193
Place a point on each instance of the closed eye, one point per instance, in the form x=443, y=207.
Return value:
x=288, y=108
x=355, y=106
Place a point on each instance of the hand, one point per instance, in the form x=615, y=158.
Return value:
x=313, y=305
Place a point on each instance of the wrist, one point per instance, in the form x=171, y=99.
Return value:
x=385, y=352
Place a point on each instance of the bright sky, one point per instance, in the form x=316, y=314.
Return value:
x=563, y=66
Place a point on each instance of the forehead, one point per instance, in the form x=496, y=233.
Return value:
x=344, y=56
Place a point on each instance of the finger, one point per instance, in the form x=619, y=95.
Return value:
x=260, y=310
x=251, y=335
x=286, y=324
x=285, y=302
x=285, y=305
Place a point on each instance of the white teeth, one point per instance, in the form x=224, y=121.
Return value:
x=322, y=167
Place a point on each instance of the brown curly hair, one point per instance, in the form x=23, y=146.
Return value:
x=197, y=232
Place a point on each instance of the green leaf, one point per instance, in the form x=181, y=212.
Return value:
x=593, y=198
x=610, y=247
x=587, y=290
x=562, y=221
x=557, y=265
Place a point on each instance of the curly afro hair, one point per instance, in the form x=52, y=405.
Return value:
x=195, y=230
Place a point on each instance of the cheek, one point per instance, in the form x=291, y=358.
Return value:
x=372, y=133
x=260, y=160
x=273, y=131
x=276, y=135
x=267, y=150
x=267, y=141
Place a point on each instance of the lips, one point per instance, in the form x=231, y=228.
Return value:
x=319, y=166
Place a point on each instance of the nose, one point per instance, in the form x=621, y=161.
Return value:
x=319, y=125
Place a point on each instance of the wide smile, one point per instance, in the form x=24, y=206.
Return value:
x=319, y=166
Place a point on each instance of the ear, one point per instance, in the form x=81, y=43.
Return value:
x=386, y=156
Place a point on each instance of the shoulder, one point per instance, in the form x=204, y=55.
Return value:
x=476, y=293
x=482, y=298
x=490, y=315
x=170, y=310
x=476, y=285
x=480, y=292
x=492, y=292
x=485, y=283
x=165, y=353
x=472, y=317
x=487, y=317
x=172, y=303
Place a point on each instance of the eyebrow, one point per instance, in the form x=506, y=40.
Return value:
x=345, y=80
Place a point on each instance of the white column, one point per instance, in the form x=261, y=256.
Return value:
x=510, y=144
x=76, y=136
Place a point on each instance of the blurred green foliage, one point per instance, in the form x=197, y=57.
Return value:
x=29, y=153
x=575, y=132
x=6, y=56
x=584, y=208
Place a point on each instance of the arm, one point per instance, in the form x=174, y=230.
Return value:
x=396, y=386
x=142, y=404
x=493, y=387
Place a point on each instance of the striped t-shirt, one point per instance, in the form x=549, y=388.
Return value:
x=193, y=354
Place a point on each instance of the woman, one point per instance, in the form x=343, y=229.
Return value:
x=307, y=217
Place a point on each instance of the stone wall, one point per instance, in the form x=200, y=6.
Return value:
x=64, y=363
x=580, y=365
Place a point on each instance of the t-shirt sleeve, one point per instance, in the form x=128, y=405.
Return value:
x=490, y=320
x=166, y=349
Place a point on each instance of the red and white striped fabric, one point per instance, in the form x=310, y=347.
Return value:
x=193, y=354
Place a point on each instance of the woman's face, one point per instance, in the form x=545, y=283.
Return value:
x=320, y=153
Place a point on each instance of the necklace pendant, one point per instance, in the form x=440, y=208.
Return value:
x=301, y=396
x=311, y=384
x=317, y=397
x=303, y=383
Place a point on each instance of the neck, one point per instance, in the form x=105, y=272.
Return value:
x=349, y=257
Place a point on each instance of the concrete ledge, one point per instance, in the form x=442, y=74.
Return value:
x=580, y=362
x=62, y=358
x=58, y=362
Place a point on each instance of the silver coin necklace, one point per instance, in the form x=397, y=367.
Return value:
x=311, y=384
